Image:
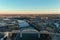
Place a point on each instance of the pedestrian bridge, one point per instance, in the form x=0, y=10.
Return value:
x=8, y=34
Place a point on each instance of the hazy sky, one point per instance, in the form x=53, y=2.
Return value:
x=29, y=6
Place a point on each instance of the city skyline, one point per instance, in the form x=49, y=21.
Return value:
x=29, y=6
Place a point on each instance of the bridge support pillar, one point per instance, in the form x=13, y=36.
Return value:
x=20, y=34
x=38, y=34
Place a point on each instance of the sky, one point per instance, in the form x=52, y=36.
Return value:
x=29, y=6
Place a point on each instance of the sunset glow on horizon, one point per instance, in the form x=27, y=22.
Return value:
x=29, y=6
